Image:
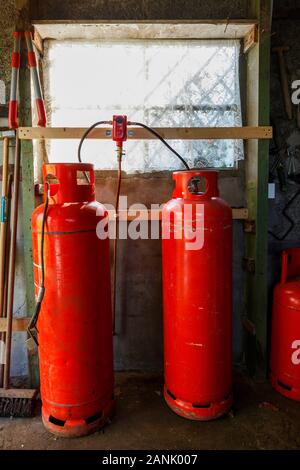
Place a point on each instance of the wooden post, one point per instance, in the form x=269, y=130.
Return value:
x=23, y=24
x=256, y=176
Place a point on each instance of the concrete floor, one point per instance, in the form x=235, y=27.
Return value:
x=261, y=419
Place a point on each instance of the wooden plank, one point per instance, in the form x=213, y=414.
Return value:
x=237, y=214
x=19, y=324
x=251, y=39
x=24, y=393
x=147, y=29
x=135, y=133
x=240, y=213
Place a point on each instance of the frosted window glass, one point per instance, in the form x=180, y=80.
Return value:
x=180, y=83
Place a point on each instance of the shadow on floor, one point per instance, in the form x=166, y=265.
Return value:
x=261, y=419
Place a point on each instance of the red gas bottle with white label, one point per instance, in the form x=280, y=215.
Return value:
x=75, y=321
x=285, y=342
x=197, y=285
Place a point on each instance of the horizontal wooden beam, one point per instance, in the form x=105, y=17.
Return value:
x=238, y=21
x=237, y=214
x=136, y=133
x=20, y=393
x=144, y=29
x=19, y=324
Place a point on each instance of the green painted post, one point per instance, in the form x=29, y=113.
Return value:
x=257, y=170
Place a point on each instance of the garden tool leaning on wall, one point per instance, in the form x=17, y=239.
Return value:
x=3, y=233
x=17, y=402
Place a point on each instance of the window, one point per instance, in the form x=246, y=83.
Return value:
x=163, y=83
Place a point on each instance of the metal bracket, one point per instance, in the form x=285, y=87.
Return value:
x=248, y=265
x=250, y=226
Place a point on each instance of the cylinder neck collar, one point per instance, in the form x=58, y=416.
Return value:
x=185, y=184
x=67, y=182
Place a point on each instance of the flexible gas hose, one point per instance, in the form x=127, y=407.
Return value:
x=33, y=322
x=158, y=136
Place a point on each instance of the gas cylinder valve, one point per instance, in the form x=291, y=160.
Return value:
x=119, y=132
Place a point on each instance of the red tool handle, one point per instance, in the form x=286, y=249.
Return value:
x=42, y=119
x=15, y=67
x=38, y=97
x=13, y=115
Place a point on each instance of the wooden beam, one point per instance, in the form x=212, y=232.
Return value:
x=19, y=324
x=28, y=201
x=250, y=39
x=20, y=393
x=224, y=21
x=136, y=133
x=237, y=214
x=144, y=29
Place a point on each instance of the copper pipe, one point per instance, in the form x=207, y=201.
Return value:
x=119, y=149
x=12, y=260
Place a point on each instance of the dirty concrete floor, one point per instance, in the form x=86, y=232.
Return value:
x=143, y=421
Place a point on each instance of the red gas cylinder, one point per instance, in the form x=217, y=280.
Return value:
x=197, y=296
x=285, y=342
x=75, y=321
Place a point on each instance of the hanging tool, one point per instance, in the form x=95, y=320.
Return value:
x=14, y=402
x=37, y=90
x=15, y=64
x=284, y=80
x=6, y=135
x=293, y=164
x=32, y=329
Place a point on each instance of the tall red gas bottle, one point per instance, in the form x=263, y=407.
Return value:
x=197, y=296
x=75, y=321
x=285, y=341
